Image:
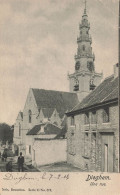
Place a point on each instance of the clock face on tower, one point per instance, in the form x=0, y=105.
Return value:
x=77, y=66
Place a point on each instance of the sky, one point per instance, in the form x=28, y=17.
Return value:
x=38, y=44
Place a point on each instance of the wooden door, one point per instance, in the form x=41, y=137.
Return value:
x=107, y=152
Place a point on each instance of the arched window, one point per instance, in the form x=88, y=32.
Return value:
x=83, y=47
x=30, y=116
x=19, y=129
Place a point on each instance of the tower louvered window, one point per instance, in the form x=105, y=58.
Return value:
x=83, y=47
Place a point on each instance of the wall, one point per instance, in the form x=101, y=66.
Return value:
x=93, y=144
x=75, y=157
x=49, y=151
x=30, y=139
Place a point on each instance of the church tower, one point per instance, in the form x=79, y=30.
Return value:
x=84, y=79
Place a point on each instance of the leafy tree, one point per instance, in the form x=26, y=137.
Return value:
x=6, y=133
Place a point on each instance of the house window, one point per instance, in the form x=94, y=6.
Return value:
x=19, y=129
x=93, y=117
x=86, y=118
x=29, y=149
x=30, y=116
x=106, y=115
x=72, y=120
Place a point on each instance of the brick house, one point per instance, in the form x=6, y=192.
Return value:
x=93, y=129
x=42, y=106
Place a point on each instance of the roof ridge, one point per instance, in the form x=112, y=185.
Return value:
x=53, y=90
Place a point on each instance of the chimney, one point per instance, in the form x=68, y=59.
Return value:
x=116, y=70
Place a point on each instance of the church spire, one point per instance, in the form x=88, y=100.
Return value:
x=85, y=7
x=84, y=79
x=84, y=57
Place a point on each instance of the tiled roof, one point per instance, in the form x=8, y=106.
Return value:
x=47, y=112
x=106, y=91
x=49, y=128
x=62, y=101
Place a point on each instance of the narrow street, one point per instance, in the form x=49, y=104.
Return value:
x=57, y=167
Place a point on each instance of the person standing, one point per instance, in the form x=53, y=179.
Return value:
x=9, y=166
x=20, y=162
x=5, y=155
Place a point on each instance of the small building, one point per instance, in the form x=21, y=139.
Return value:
x=93, y=129
x=46, y=144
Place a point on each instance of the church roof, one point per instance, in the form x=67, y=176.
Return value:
x=49, y=129
x=47, y=112
x=62, y=101
x=104, y=93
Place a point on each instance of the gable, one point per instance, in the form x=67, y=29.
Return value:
x=30, y=103
x=20, y=116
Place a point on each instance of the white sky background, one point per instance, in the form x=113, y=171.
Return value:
x=38, y=44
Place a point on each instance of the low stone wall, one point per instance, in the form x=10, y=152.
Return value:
x=49, y=151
